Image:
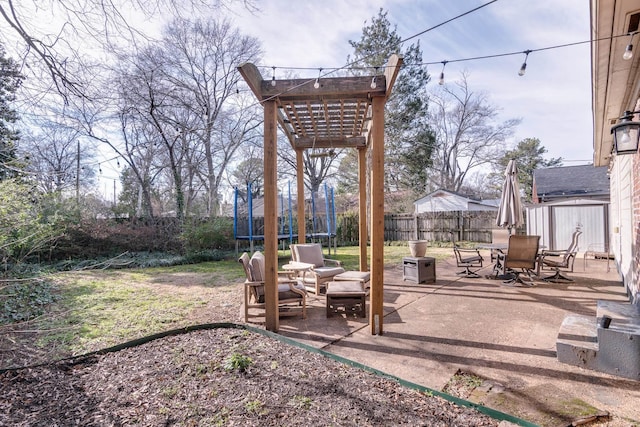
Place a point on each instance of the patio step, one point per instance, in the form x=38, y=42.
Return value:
x=614, y=349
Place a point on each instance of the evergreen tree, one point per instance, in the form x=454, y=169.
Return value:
x=528, y=155
x=10, y=80
x=409, y=141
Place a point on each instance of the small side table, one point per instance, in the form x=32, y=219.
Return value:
x=297, y=268
x=348, y=296
x=419, y=269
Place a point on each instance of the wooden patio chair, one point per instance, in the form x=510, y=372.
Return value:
x=521, y=257
x=292, y=295
x=320, y=269
x=557, y=259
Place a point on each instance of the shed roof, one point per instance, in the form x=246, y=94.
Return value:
x=571, y=181
x=446, y=201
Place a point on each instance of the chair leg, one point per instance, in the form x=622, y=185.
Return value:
x=557, y=277
x=517, y=279
x=469, y=274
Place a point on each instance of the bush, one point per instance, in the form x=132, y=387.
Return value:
x=214, y=233
x=23, y=228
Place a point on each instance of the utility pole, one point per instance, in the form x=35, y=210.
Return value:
x=78, y=175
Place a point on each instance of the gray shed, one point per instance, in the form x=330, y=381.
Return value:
x=556, y=221
x=573, y=196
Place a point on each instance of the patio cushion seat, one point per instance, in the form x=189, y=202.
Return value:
x=323, y=272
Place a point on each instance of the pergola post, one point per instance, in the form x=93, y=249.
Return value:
x=271, y=215
x=362, y=207
x=302, y=225
x=377, y=216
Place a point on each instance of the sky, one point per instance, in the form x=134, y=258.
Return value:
x=552, y=99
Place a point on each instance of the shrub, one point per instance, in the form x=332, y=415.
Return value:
x=214, y=233
x=24, y=300
x=23, y=229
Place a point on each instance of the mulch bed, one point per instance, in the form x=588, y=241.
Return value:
x=192, y=380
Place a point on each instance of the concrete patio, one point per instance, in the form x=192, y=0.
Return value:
x=504, y=335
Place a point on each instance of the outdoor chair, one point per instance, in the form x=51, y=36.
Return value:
x=467, y=258
x=320, y=269
x=521, y=257
x=292, y=295
x=499, y=236
x=557, y=259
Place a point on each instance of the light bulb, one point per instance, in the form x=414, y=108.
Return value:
x=373, y=83
x=625, y=139
x=628, y=52
x=523, y=69
x=441, y=81
x=317, y=84
x=273, y=81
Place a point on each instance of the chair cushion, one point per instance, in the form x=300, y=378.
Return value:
x=244, y=260
x=310, y=253
x=284, y=292
x=257, y=266
x=323, y=272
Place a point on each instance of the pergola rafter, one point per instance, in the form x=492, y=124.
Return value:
x=341, y=112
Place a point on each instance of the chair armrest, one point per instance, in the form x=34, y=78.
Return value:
x=545, y=253
x=285, y=275
x=468, y=251
x=333, y=261
x=253, y=284
x=301, y=264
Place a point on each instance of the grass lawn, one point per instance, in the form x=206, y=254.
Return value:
x=94, y=309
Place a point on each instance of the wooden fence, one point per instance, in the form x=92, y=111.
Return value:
x=472, y=226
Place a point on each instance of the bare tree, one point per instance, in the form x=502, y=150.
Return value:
x=56, y=158
x=467, y=133
x=180, y=94
x=199, y=60
x=317, y=165
x=105, y=25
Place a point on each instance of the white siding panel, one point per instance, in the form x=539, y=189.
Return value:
x=590, y=219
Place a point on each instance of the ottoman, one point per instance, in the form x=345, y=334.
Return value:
x=347, y=297
x=354, y=276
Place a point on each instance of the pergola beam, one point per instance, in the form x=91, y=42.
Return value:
x=338, y=142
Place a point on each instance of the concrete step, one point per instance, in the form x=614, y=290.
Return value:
x=615, y=348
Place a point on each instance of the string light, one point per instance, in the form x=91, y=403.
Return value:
x=373, y=80
x=317, y=83
x=273, y=77
x=523, y=69
x=441, y=80
x=352, y=67
x=628, y=52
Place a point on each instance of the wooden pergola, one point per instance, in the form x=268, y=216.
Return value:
x=338, y=112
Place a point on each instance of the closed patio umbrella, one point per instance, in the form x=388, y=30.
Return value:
x=510, y=211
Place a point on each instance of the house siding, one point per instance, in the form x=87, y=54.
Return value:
x=623, y=218
x=634, y=286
